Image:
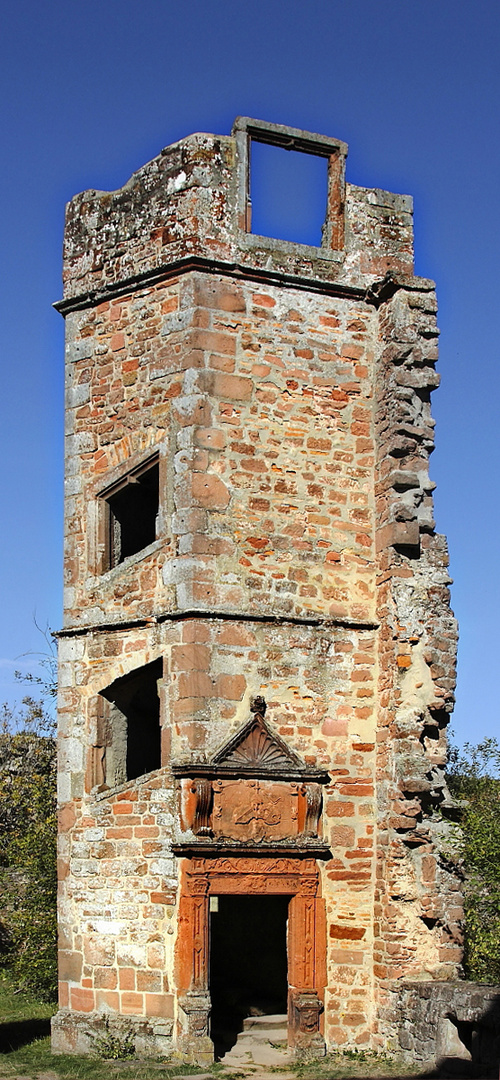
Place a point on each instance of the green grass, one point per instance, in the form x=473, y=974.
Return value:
x=24, y=1030
x=347, y=1064
x=25, y=1047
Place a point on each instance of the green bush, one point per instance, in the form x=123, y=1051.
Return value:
x=28, y=831
x=474, y=778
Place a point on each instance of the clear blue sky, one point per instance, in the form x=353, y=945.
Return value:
x=92, y=89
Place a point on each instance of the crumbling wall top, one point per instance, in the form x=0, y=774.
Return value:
x=192, y=203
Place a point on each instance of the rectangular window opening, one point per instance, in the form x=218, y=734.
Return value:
x=288, y=193
x=134, y=733
x=132, y=513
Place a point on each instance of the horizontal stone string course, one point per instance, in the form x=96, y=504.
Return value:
x=249, y=532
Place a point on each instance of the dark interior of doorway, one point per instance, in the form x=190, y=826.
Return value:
x=248, y=963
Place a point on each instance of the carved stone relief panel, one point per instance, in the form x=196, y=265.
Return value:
x=254, y=809
x=250, y=809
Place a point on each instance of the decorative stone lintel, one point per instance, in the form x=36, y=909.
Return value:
x=305, y=847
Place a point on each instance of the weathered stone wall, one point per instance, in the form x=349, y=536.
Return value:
x=452, y=1025
x=259, y=401
x=187, y=202
x=116, y=848
x=418, y=902
x=286, y=392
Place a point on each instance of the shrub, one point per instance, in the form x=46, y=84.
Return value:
x=474, y=778
x=28, y=830
x=115, y=1047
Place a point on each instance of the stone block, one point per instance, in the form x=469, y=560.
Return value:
x=159, y=1005
x=70, y=966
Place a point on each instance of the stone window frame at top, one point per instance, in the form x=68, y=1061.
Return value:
x=245, y=130
x=122, y=477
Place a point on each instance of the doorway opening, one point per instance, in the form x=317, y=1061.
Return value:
x=248, y=963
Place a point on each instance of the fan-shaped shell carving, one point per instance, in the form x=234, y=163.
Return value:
x=257, y=748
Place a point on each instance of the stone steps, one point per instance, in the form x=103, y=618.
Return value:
x=263, y=1041
x=265, y=1023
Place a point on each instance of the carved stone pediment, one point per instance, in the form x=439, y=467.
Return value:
x=255, y=791
x=255, y=747
x=255, y=750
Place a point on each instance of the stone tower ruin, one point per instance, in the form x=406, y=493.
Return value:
x=257, y=659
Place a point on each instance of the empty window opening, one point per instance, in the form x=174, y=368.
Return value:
x=288, y=193
x=132, y=509
x=248, y=964
x=133, y=738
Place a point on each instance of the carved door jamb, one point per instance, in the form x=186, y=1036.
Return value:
x=306, y=942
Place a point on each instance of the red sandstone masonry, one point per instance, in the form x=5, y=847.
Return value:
x=317, y=495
